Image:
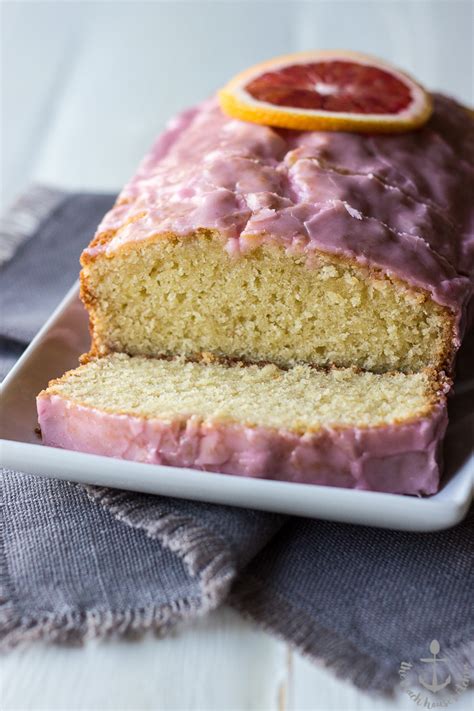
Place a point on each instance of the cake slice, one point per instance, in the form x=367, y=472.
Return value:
x=265, y=244
x=338, y=427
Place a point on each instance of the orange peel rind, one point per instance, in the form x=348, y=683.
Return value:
x=329, y=90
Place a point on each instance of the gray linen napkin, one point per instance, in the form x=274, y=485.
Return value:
x=79, y=562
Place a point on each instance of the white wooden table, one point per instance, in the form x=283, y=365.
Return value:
x=87, y=86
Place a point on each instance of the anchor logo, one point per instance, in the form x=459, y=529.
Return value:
x=435, y=685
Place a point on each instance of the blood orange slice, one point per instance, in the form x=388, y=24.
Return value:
x=330, y=91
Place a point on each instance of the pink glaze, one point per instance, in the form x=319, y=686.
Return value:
x=403, y=459
x=403, y=203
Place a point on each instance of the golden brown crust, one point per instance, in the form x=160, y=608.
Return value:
x=101, y=239
x=90, y=302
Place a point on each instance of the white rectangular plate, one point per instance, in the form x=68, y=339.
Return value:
x=56, y=349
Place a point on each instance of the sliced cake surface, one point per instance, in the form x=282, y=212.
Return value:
x=279, y=304
x=272, y=245
x=338, y=427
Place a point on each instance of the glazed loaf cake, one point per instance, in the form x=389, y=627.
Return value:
x=264, y=244
x=338, y=427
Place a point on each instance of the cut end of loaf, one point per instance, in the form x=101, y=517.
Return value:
x=186, y=296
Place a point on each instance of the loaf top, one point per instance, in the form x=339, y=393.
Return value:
x=402, y=203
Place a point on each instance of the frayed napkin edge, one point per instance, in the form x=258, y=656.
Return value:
x=25, y=216
x=312, y=640
x=215, y=570
x=212, y=564
x=322, y=646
